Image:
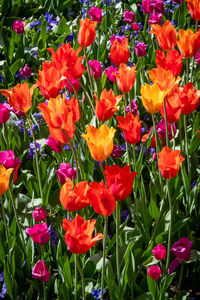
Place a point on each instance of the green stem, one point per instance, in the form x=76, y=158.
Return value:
x=5, y=222
x=156, y=134
x=102, y=170
x=157, y=220
x=6, y=134
x=117, y=240
x=180, y=133
x=36, y=155
x=72, y=86
x=145, y=24
x=170, y=224
x=156, y=290
x=89, y=98
x=166, y=125
x=77, y=159
x=180, y=280
x=44, y=283
x=99, y=38
x=82, y=277
x=173, y=136
x=196, y=26
x=76, y=278
x=186, y=143
x=89, y=71
x=104, y=254
x=124, y=97
x=106, y=19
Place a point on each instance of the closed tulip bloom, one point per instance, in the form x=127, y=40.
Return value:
x=164, y=79
x=194, y=8
x=54, y=145
x=129, y=16
x=4, y=179
x=173, y=106
x=20, y=96
x=119, y=52
x=67, y=61
x=8, y=160
x=39, y=214
x=169, y=162
x=40, y=271
x=152, y=97
x=126, y=78
x=18, y=26
x=79, y=234
x=73, y=82
x=165, y=35
x=101, y=199
x=73, y=197
x=189, y=98
x=119, y=181
x=141, y=49
x=100, y=141
x=65, y=171
x=4, y=112
x=155, y=18
x=188, y=43
x=172, y=61
x=95, y=66
x=159, y=252
x=110, y=72
x=107, y=105
x=154, y=272
x=95, y=14
x=131, y=127
x=87, y=32
x=60, y=115
x=39, y=233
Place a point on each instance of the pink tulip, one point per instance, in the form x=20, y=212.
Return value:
x=95, y=65
x=159, y=252
x=75, y=84
x=141, y=49
x=129, y=16
x=110, y=71
x=65, y=171
x=39, y=233
x=18, y=26
x=53, y=144
x=154, y=272
x=95, y=14
x=4, y=112
x=40, y=271
x=39, y=214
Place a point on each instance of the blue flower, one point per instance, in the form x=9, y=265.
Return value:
x=35, y=24
x=2, y=277
x=97, y=293
x=53, y=236
x=1, y=78
x=124, y=215
x=69, y=38
x=3, y=291
x=48, y=17
x=32, y=149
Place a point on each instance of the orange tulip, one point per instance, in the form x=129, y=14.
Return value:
x=66, y=60
x=172, y=61
x=173, y=106
x=87, y=32
x=194, y=8
x=152, y=97
x=50, y=82
x=107, y=105
x=101, y=199
x=4, y=179
x=100, y=141
x=169, y=162
x=164, y=79
x=131, y=127
x=73, y=200
x=188, y=43
x=119, y=181
x=189, y=98
x=79, y=234
x=165, y=35
x=20, y=96
x=60, y=115
x=126, y=78
x=119, y=52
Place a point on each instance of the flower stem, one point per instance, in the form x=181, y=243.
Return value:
x=89, y=71
x=44, y=283
x=124, y=96
x=166, y=124
x=36, y=155
x=76, y=279
x=173, y=135
x=82, y=277
x=104, y=254
x=180, y=279
x=5, y=223
x=196, y=26
x=170, y=224
x=117, y=240
x=186, y=143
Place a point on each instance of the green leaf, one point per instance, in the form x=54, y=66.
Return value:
x=151, y=285
x=8, y=279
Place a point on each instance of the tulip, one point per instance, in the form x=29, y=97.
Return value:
x=165, y=34
x=154, y=272
x=119, y=181
x=25, y=72
x=117, y=38
x=74, y=199
x=8, y=160
x=159, y=252
x=119, y=52
x=110, y=72
x=20, y=96
x=129, y=16
x=126, y=78
x=54, y=145
x=4, y=112
x=4, y=179
x=107, y=105
x=194, y=8
x=40, y=271
x=100, y=141
x=65, y=171
x=141, y=49
x=172, y=61
x=95, y=14
x=75, y=83
x=173, y=106
x=161, y=129
x=182, y=251
x=197, y=57
x=87, y=33
x=95, y=66
x=155, y=18
x=117, y=151
x=131, y=127
x=79, y=234
x=60, y=115
x=188, y=43
x=39, y=233
x=189, y=98
x=18, y=26
x=135, y=26
x=101, y=199
x=169, y=162
x=152, y=97
x=39, y=214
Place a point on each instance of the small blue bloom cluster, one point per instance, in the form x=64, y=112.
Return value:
x=53, y=236
x=4, y=289
x=97, y=293
x=32, y=149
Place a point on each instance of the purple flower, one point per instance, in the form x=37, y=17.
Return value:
x=141, y=49
x=95, y=14
x=197, y=57
x=134, y=107
x=69, y=38
x=1, y=78
x=155, y=18
x=25, y=72
x=118, y=38
x=161, y=129
x=124, y=215
x=117, y=151
x=65, y=171
x=53, y=236
x=129, y=16
x=32, y=149
x=97, y=293
x=3, y=291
